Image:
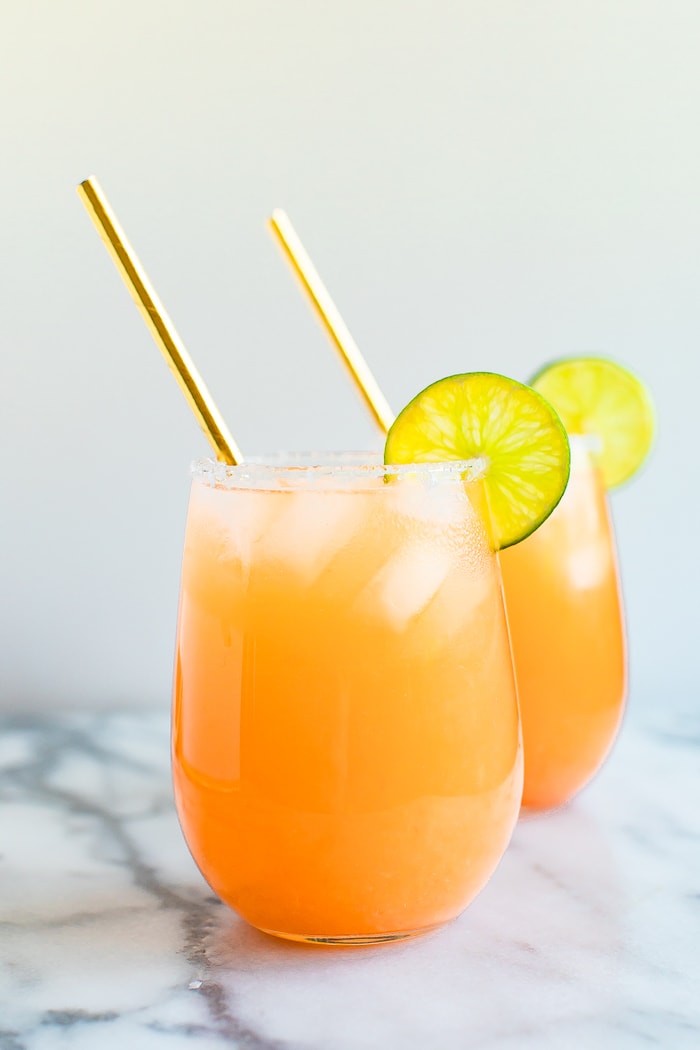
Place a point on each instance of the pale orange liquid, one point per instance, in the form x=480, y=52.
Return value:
x=346, y=743
x=567, y=633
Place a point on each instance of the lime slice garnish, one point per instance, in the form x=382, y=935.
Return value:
x=595, y=396
x=510, y=430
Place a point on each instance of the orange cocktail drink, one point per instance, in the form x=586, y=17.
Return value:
x=346, y=741
x=565, y=614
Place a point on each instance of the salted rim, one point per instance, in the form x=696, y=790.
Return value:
x=327, y=470
x=584, y=448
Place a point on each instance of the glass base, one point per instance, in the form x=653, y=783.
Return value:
x=359, y=940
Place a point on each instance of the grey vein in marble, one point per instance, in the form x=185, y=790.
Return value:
x=587, y=935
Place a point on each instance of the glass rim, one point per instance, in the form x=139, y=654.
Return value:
x=328, y=470
x=588, y=442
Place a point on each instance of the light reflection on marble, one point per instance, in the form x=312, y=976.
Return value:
x=587, y=935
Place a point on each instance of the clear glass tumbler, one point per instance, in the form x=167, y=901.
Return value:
x=566, y=619
x=346, y=740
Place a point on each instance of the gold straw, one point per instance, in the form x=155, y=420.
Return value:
x=162, y=328
x=333, y=322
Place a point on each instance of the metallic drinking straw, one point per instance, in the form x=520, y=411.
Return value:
x=162, y=328
x=332, y=321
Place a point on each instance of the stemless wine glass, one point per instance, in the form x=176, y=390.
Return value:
x=565, y=614
x=346, y=741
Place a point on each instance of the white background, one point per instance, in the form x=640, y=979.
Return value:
x=482, y=185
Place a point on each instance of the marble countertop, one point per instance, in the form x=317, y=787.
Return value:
x=588, y=935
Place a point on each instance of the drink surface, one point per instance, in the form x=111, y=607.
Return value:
x=567, y=633
x=346, y=742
